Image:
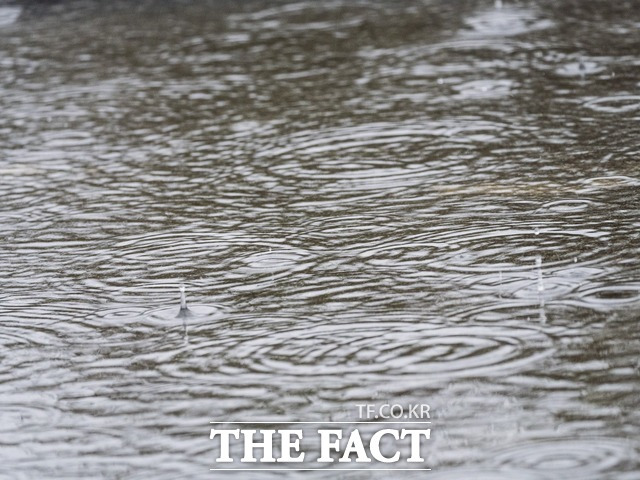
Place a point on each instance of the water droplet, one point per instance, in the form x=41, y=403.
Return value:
x=184, y=310
x=539, y=267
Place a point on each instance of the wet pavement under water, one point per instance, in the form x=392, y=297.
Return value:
x=368, y=202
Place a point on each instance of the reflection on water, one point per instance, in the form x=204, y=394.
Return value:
x=416, y=202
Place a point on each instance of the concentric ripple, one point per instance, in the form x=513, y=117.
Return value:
x=481, y=473
x=305, y=156
x=615, y=104
x=579, y=69
x=609, y=296
x=372, y=157
x=566, y=206
x=391, y=349
x=577, y=457
x=506, y=21
x=473, y=249
x=484, y=89
x=275, y=260
x=249, y=258
x=122, y=316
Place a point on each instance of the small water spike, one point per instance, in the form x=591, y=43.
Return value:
x=582, y=68
x=184, y=310
x=543, y=314
x=183, y=299
x=539, y=268
x=498, y=4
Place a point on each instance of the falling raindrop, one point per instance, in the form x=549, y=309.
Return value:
x=184, y=312
x=539, y=268
x=543, y=315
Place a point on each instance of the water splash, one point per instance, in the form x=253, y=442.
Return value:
x=184, y=310
x=183, y=299
x=543, y=315
x=539, y=269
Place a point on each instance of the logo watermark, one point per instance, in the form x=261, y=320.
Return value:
x=385, y=437
x=395, y=411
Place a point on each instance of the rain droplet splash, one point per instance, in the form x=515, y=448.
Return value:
x=183, y=299
x=184, y=312
x=543, y=315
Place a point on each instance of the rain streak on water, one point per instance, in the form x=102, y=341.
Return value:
x=408, y=202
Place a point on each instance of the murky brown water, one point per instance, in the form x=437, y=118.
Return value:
x=408, y=202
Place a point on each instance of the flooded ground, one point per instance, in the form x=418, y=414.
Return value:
x=368, y=202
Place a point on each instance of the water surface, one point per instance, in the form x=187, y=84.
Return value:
x=407, y=202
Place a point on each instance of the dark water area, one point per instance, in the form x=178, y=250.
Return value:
x=368, y=202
